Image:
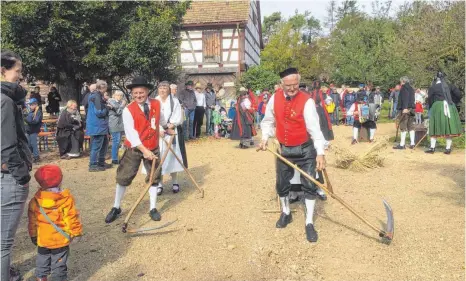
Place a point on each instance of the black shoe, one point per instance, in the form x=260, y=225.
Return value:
x=284, y=220
x=251, y=143
x=116, y=162
x=412, y=146
x=430, y=150
x=106, y=165
x=354, y=141
x=113, y=215
x=311, y=233
x=447, y=151
x=96, y=169
x=399, y=147
x=176, y=188
x=36, y=160
x=15, y=275
x=155, y=215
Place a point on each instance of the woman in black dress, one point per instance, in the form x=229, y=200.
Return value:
x=70, y=134
x=54, y=99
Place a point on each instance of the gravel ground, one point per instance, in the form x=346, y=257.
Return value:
x=227, y=236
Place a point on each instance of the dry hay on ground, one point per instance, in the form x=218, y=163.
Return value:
x=345, y=159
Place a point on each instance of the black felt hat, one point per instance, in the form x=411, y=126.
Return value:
x=140, y=81
x=189, y=83
x=288, y=71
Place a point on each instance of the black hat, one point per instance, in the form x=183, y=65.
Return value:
x=140, y=81
x=189, y=83
x=288, y=71
x=209, y=85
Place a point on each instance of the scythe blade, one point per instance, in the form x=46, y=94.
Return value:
x=390, y=228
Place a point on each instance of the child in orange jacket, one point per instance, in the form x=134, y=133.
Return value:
x=53, y=223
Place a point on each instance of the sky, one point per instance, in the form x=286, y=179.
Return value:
x=316, y=7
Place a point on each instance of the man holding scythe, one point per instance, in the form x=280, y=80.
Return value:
x=291, y=115
x=143, y=123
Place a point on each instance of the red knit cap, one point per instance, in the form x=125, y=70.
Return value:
x=48, y=176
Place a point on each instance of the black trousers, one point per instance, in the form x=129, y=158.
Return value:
x=198, y=120
x=304, y=156
x=369, y=124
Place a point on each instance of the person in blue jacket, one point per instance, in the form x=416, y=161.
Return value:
x=97, y=127
x=33, y=124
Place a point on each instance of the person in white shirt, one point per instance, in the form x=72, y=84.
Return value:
x=171, y=110
x=291, y=115
x=200, y=110
x=143, y=123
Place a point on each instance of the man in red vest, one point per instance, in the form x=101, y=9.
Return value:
x=291, y=115
x=143, y=123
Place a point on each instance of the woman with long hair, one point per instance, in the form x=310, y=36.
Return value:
x=16, y=159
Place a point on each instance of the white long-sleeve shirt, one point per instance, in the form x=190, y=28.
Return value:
x=311, y=118
x=200, y=99
x=128, y=122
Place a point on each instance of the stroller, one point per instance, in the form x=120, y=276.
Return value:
x=225, y=127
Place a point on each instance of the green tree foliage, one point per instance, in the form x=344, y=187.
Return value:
x=259, y=78
x=347, y=8
x=72, y=42
x=431, y=38
x=270, y=24
x=366, y=52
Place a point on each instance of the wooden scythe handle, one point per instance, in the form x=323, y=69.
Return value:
x=148, y=185
x=201, y=190
x=327, y=181
x=333, y=195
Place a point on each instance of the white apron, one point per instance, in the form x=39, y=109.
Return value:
x=170, y=165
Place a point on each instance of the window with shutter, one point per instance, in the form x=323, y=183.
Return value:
x=211, y=46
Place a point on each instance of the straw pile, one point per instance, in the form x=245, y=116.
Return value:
x=346, y=159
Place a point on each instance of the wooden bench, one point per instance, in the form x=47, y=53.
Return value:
x=44, y=139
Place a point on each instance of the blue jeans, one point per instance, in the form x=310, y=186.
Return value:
x=394, y=111
x=335, y=116
x=99, y=146
x=13, y=198
x=209, y=125
x=189, y=114
x=116, y=139
x=33, y=144
x=349, y=119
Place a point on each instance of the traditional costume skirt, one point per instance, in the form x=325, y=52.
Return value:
x=440, y=125
x=243, y=127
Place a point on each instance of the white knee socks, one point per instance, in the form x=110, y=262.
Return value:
x=449, y=142
x=411, y=137
x=120, y=191
x=310, y=204
x=153, y=197
x=174, y=178
x=433, y=141
x=403, y=138
x=355, y=133
x=372, y=134
x=285, y=204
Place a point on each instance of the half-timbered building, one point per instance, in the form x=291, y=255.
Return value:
x=220, y=40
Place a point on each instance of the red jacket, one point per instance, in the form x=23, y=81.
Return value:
x=289, y=116
x=148, y=136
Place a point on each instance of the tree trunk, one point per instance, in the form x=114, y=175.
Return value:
x=69, y=90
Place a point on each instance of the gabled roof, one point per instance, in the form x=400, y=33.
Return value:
x=217, y=12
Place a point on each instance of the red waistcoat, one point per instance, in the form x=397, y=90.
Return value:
x=289, y=118
x=148, y=136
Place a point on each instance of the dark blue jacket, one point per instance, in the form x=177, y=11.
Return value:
x=350, y=98
x=97, y=115
x=33, y=124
